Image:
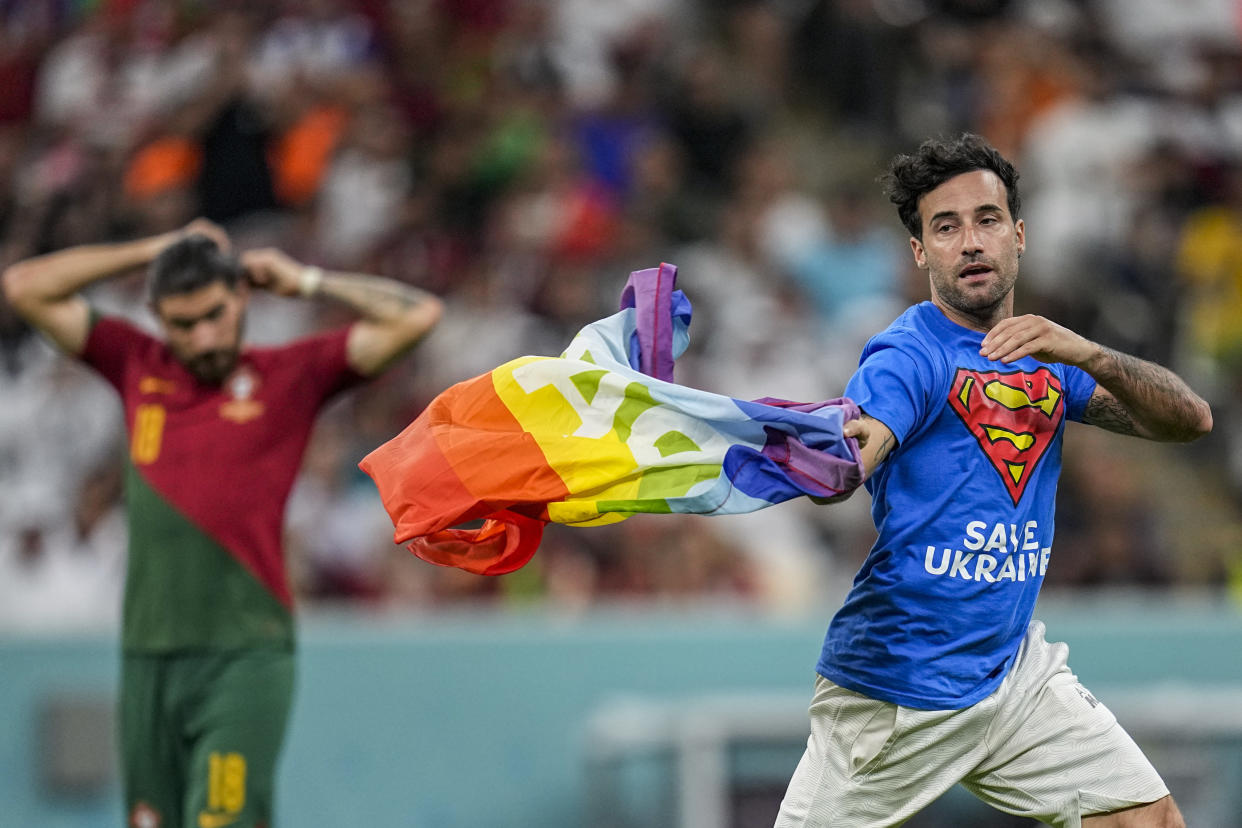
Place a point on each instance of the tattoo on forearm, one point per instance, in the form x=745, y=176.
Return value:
x=1108, y=413
x=885, y=448
x=372, y=295
x=1147, y=399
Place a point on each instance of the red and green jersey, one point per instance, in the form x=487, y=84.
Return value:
x=210, y=469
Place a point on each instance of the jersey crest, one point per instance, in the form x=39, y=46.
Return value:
x=1012, y=416
x=241, y=387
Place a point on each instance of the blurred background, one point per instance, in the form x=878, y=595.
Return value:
x=519, y=158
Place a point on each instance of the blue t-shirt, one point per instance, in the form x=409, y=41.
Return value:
x=964, y=510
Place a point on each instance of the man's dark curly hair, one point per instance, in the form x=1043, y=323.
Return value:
x=910, y=177
x=189, y=264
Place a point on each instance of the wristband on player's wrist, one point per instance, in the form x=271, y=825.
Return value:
x=311, y=281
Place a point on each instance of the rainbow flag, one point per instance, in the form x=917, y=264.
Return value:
x=596, y=435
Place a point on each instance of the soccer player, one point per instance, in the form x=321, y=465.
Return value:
x=932, y=672
x=217, y=432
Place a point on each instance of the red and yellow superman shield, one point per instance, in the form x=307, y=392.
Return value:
x=1013, y=417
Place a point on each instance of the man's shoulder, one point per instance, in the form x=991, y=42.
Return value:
x=318, y=360
x=326, y=343
x=909, y=332
x=111, y=336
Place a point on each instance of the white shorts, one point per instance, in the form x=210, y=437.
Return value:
x=1041, y=746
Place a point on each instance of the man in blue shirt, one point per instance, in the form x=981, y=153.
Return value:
x=933, y=673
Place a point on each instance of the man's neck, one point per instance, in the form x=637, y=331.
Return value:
x=983, y=320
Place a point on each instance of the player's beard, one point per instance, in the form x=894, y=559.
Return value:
x=977, y=303
x=212, y=367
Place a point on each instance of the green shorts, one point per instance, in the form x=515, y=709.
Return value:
x=200, y=736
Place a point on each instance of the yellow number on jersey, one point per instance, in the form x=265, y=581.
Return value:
x=148, y=433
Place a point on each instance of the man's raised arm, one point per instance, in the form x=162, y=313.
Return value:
x=45, y=290
x=1133, y=396
x=394, y=315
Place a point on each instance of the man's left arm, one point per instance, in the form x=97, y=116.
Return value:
x=1132, y=396
x=394, y=315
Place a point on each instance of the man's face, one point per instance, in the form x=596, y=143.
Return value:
x=970, y=247
x=203, y=329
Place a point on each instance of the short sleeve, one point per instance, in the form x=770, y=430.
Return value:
x=1079, y=386
x=111, y=344
x=891, y=383
x=324, y=364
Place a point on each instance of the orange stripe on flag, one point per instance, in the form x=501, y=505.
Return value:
x=464, y=458
x=501, y=545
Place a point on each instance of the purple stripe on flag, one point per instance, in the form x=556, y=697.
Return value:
x=650, y=293
x=809, y=454
x=813, y=471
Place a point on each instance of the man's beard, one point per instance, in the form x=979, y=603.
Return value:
x=212, y=367
x=972, y=302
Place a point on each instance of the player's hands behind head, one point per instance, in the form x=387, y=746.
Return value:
x=204, y=227
x=273, y=270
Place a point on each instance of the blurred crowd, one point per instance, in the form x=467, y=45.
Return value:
x=520, y=157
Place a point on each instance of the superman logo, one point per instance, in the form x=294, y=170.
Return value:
x=1013, y=416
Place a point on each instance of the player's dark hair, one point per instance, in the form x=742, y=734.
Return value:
x=189, y=264
x=910, y=177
